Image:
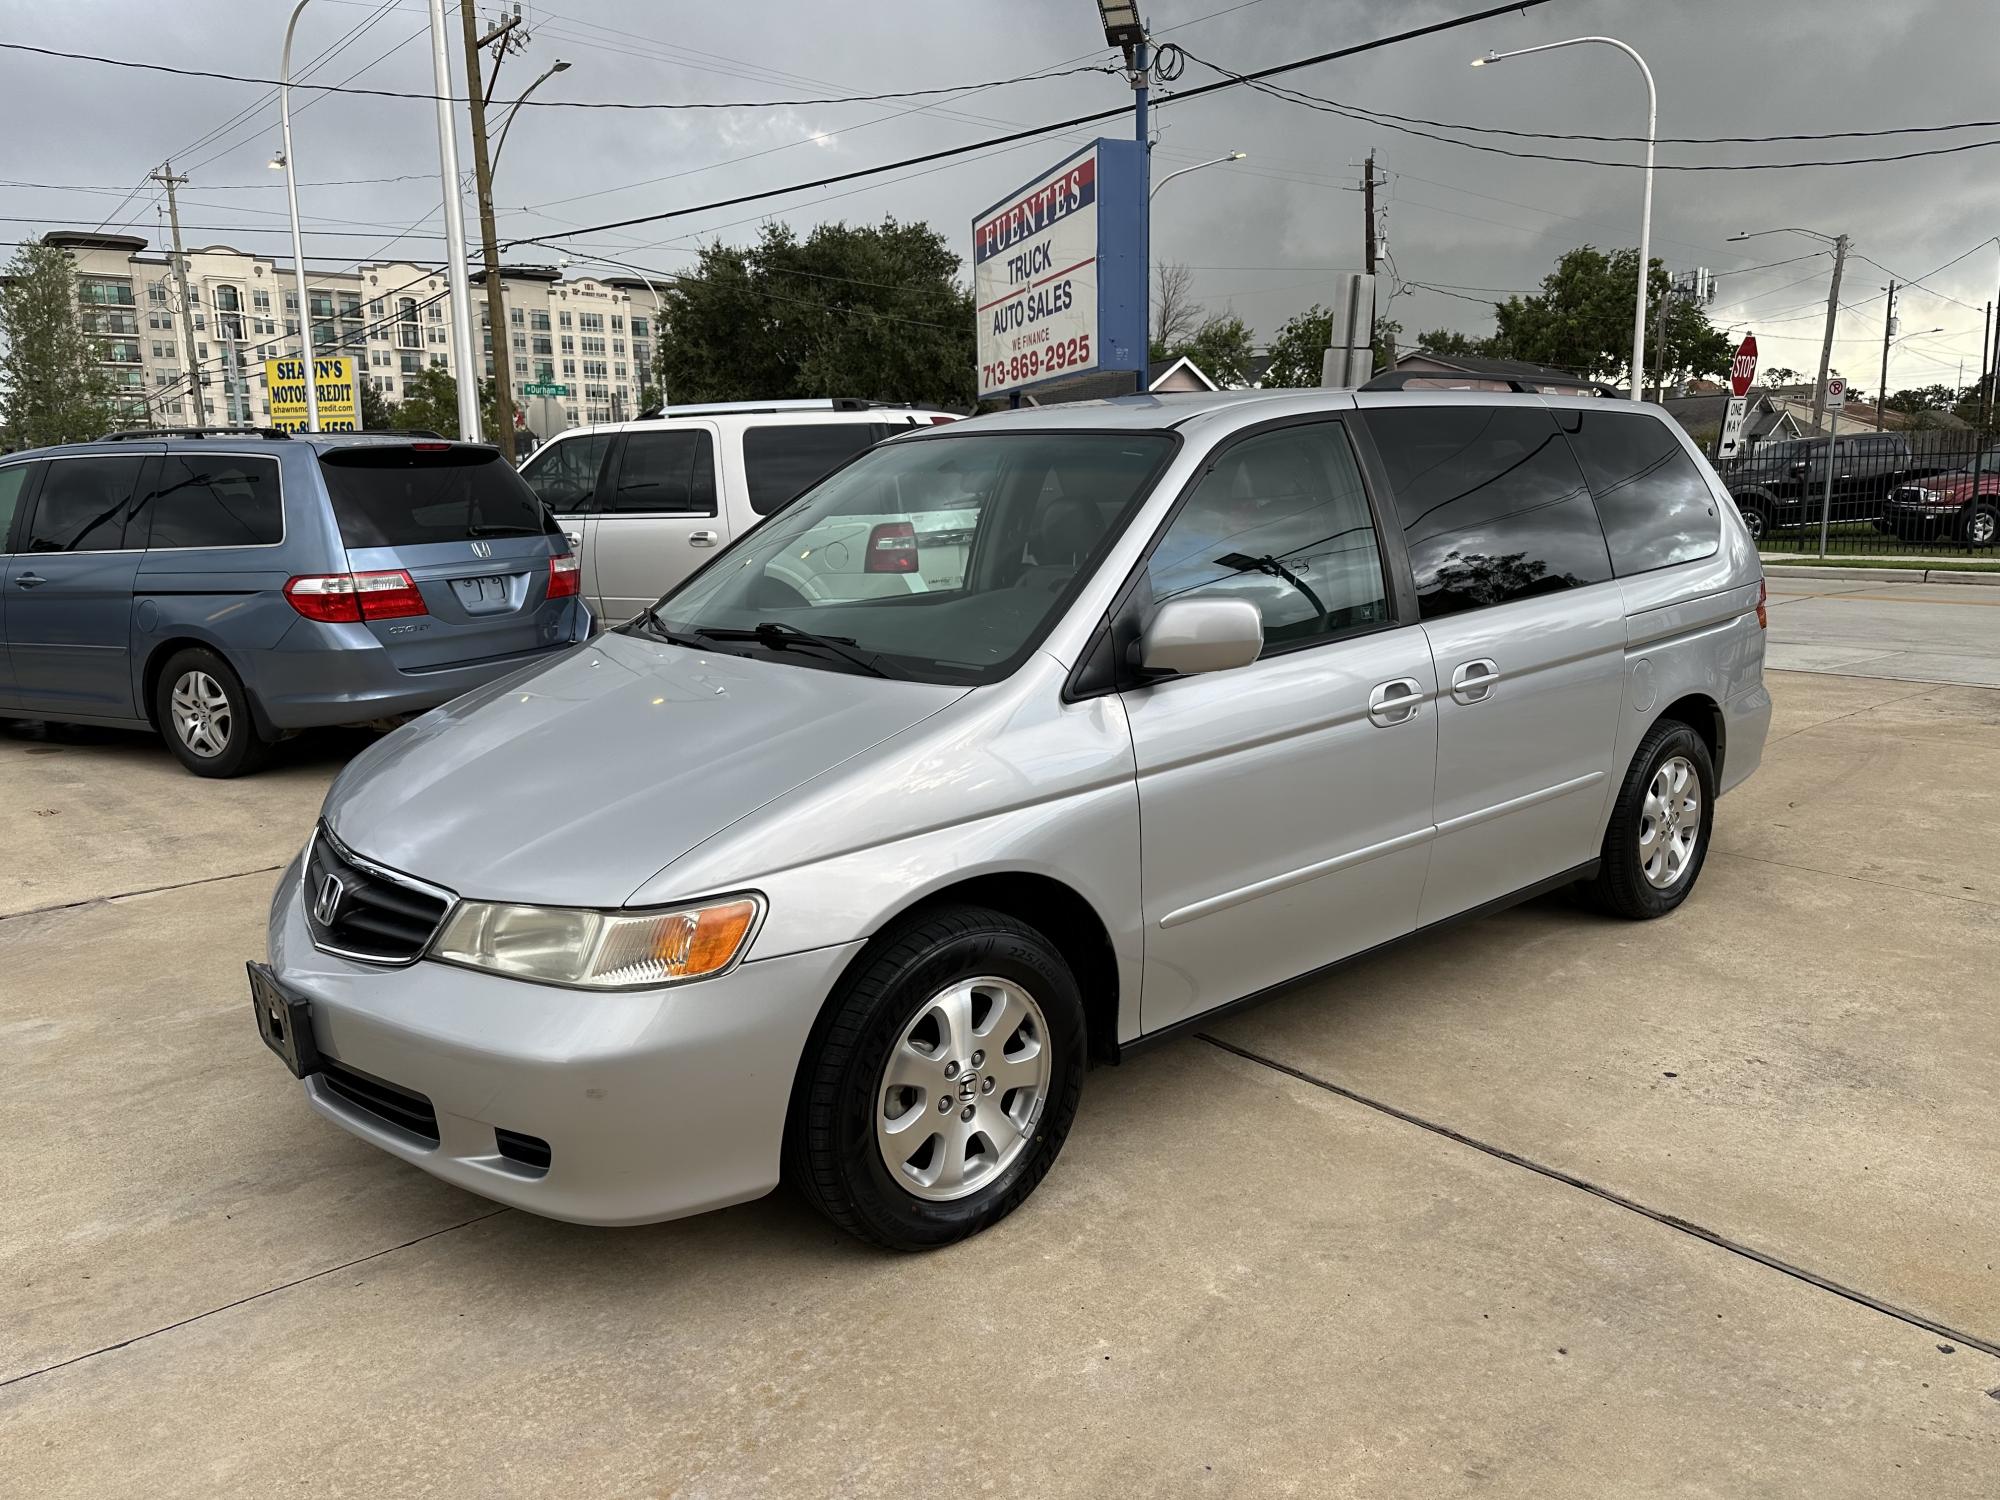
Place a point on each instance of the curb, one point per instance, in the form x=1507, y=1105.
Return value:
x=1886, y=575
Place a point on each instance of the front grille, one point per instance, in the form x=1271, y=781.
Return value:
x=363, y=911
x=529, y=1150
x=408, y=1112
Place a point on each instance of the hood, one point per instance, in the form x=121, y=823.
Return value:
x=575, y=781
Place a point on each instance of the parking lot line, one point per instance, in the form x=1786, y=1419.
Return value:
x=1671, y=1221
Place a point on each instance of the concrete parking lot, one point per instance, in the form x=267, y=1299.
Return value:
x=1549, y=1204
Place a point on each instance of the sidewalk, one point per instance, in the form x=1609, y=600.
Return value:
x=1877, y=568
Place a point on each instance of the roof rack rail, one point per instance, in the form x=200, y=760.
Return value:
x=147, y=434
x=1526, y=385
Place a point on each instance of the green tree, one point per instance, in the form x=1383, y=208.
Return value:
x=430, y=404
x=1924, y=398
x=875, y=311
x=1300, y=346
x=1583, y=320
x=1781, y=375
x=52, y=389
x=1449, y=341
x=378, y=412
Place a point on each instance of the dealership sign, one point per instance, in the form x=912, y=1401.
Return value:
x=336, y=381
x=1059, y=272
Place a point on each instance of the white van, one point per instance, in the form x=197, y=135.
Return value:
x=644, y=503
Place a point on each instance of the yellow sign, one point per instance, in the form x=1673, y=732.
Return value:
x=338, y=388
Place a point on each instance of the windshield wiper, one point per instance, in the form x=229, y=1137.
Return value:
x=497, y=530
x=777, y=635
x=651, y=615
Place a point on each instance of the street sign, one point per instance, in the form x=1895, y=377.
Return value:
x=1732, y=427
x=1836, y=393
x=338, y=390
x=543, y=388
x=1059, y=272
x=1743, y=369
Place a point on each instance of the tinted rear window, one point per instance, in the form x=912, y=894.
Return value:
x=779, y=462
x=1492, y=504
x=1650, y=495
x=218, y=500
x=401, y=497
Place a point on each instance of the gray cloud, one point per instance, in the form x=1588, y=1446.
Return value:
x=1264, y=235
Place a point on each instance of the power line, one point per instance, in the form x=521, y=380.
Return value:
x=1327, y=106
x=1450, y=24
x=690, y=104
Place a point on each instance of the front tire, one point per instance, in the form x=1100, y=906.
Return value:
x=1981, y=527
x=1658, y=836
x=203, y=712
x=940, y=1084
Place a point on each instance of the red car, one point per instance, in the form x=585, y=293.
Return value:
x=1962, y=506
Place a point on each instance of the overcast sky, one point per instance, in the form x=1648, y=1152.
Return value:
x=1261, y=234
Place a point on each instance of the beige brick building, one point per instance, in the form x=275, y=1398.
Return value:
x=596, y=336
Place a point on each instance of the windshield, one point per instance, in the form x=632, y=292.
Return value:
x=945, y=559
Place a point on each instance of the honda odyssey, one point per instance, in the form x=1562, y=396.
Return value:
x=1207, y=695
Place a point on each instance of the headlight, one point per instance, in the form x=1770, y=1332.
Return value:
x=1931, y=497
x=598, y=950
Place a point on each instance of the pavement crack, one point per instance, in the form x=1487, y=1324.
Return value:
x=1887, y=885
x=147, y=890
x=269, y=1291
x=1671, y=1221
x=1866, y=708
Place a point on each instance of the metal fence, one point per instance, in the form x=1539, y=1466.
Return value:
x=1927, y=493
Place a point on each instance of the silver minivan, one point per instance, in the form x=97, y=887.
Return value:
x=1207, y=695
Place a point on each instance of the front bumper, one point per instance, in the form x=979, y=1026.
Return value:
x=655, y=1104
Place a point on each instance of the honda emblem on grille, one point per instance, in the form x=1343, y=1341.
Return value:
x=326, y=905
x=482, y=549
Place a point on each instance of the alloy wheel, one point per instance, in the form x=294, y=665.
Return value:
x=202, y=714
x=1980, y=530
x=963, y=1088
x=1670, y=822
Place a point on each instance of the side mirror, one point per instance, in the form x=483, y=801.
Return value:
x=1190, y=636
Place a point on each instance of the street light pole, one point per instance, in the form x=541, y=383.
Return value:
x=659, y=303
x=465, y=349
x=1646, y=208
x=1219, y=161
x=559, y=66
x=292, y=200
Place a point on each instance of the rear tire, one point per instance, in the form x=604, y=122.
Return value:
x=940, y=1083
x=1658, y=837
x=203, y=712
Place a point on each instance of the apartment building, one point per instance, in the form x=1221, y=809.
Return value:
x=595, y=336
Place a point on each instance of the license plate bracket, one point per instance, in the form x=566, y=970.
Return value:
x=284, y=1021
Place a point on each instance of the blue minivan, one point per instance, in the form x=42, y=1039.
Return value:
x=229, y=586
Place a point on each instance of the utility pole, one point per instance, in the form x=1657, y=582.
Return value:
x=454, y=229
x=1660, y=343
x=503, y=38
x=1142, y=64
x=1986, y=357
x=1888, y=332
x=1368, y=216
x=165, y=178
x=1826, y=344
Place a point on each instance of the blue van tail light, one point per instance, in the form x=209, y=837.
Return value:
x=349, y=597
x=564, y=575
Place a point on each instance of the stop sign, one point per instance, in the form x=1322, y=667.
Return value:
x=1743, y=369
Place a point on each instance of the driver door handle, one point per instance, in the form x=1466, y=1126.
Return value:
x=29, y=581
x=702, y=538
x=1394, y=702
x=1473, y=681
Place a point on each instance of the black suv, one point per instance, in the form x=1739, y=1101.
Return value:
x=1784, y=484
